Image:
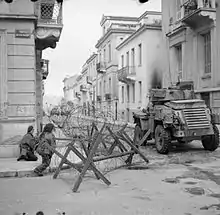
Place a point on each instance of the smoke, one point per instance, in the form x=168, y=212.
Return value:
x=156, y=79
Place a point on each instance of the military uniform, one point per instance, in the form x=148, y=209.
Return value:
x=44, y=152
x=27, y=146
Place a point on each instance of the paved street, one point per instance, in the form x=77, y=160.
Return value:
x=185, y=182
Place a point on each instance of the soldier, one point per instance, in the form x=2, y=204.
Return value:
x=48, y=137
x=27, y=146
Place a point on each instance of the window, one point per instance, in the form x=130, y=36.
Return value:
x=104, y=90
x=133, y=92
x=109, y=53
x=179, y=61
x=140, y=54
x=110, y=84
x=122, y=61
x=123, y=94
x=206, y=97
x=132, y=57
x=100, y=88
x=178, y=9
x=207, y=52
x=104, y=55
x=128, y=93
x=123, y=115
x=127, y=59
x=140, y=91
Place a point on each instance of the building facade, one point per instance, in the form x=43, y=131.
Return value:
x=81, y=89
x=138, y=59
x=190, y=35
x=69, y=89
x=115, y=30
x=26, y=29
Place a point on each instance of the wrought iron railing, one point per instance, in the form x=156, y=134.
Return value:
x=125, y=72
x=89, y=79
x=49, y=12
x=192, y=5
x=83, y=87
x=101, y=67
x=44, y=68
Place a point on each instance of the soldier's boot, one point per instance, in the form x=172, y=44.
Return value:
x=38, y=173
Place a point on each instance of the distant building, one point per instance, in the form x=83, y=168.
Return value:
x=115, y=30
x=26, y=29
x=81, y=89
x=191, y=34
x=139, y=57
x=69, y=88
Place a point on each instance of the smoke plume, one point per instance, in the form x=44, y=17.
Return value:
x=156, y=80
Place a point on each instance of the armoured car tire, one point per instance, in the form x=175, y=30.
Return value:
x=138, y=134
x=162, y=139
x=211, y=142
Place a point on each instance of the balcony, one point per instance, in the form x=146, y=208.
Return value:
x=83, y=88
x=49, y=23
x=101, y=67
x=127, y=74
x=108, y=96
x=89, y=80
x=99, y=98
x=44, y=68
x=78, y=95
x=198, y=13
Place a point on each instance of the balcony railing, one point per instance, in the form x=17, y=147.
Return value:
x=44, y=68
x=49, y=12
x=127, y=74
x=83, y=88
x=78, y=95
x=89, y=79
x=101, y=67
x=108, y=96
x=198, y=12
x=99, y=98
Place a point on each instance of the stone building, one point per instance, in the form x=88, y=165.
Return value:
x=115, y=30
x=69, y=88
x=81, y=89
x=191, y=37
x=26, y=29
x=138, y=58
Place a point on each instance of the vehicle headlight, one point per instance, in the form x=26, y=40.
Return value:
x=179, y=115
x=208, y=113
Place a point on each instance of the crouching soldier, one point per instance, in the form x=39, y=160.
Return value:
x=27, y=146
x=46, y=137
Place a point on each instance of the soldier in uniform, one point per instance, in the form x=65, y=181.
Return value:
x=48, y=137
x=27, y=146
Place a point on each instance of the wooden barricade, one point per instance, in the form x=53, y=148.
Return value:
x=94, y=140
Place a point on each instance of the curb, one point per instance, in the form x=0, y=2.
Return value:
x=28, y=173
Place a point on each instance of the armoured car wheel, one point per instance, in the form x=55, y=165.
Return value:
x=162, y=139
x=137, y=133
x=211, y=142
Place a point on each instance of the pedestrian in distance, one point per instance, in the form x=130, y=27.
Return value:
x=27, y=146
x=46, y=137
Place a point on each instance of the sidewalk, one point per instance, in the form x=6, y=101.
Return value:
x=10, y=167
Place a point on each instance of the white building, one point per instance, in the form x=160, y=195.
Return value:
x=81, y=89
x=115, y=29
x=69, y=88
x=138, y=59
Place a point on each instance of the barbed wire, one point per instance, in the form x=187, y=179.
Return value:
x=77, y=120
